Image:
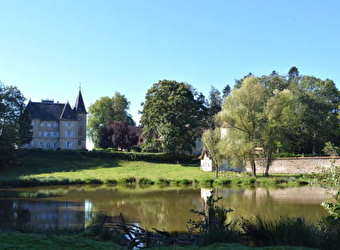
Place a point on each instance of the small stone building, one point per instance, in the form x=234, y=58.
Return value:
x=208, y=165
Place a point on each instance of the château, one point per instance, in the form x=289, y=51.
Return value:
x=57, y=125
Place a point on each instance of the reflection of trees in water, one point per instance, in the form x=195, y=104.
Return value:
x=165, y=209
x=6, y=215
x=23, y=217
x=12, y=217
x=41, y=215
x=168, y=209
x=272, y=203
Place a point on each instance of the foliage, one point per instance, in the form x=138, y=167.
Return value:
x=214, y=106
x=118, y=135
x=15, y=123
x=330, y=225
x=226, y=91
x=284, y=231
x=318, y=107
x=172, y=115
x=105, y=111
x=212, y=225
x=242, y=113
x=331, y=149
x=334, y=207
x=291, y=114
x=151, y=146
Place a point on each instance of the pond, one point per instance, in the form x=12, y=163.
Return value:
x=74, y=207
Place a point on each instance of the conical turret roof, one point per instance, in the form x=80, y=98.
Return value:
x=80, y=106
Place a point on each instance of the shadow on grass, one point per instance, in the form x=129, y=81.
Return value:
x=43, y=162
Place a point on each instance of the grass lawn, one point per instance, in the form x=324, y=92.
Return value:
x=54, y=168
x=83, y=167
x=126, y=169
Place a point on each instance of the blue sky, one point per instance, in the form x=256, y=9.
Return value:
x=47, y=47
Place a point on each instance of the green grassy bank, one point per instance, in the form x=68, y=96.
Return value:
x=38, y=167
x=68, y=242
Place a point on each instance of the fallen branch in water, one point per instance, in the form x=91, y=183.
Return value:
x=138, y=237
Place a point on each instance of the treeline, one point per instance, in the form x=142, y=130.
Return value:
x=297, y=114
x=276, y=113
x=280, y=113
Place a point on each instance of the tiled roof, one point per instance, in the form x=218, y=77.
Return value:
x=68, y=113
x=50, y=111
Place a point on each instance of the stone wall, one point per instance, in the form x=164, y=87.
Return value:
x=295, y=165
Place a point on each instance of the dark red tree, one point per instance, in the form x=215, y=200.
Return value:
x=118, y=135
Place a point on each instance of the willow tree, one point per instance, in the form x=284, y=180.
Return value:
x=257, y=116
x=213, y=144
x=280, y=117
x=242, y=111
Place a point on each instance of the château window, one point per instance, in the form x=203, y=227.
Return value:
x=69, y=144
x=41, y=144
x=69, y=133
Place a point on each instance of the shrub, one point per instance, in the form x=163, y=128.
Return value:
x=280, y=181
x=211, y=226
x=128, y=181
x=93, y=181
x=145, y=181
x=164, y=182
x=225, y=182
x=208, y=182
x=184, y=182
x=111, y=181
x=284, y=231
x=135, y=149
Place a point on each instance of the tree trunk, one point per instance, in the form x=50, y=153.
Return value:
x=253, y=166
x=216, y=170
x=268, y=163
x=269, y=160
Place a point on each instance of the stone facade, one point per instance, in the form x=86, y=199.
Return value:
x=57, y=125
x=288, y=165
x=296, y=165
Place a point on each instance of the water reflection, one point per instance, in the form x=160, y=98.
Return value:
x=42, y=215
x=71, y=208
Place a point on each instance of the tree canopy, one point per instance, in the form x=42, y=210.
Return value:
x=171, y=117
x=288, y=113
x=105, y=111
x=118, y=135
x=15, y=123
